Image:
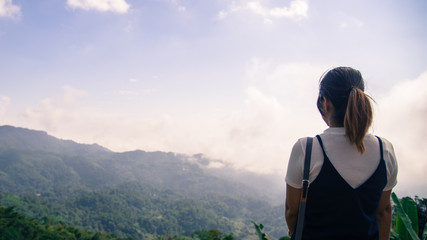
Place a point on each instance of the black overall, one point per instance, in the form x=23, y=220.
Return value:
x=335, y=210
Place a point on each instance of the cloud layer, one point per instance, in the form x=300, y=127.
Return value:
x=258, y=136
x=297, y=10
x=118, y=6
x=279, y=107
x=4, y=104
x=8, y=10
x=401, y=118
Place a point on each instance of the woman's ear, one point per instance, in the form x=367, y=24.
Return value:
x=327, y=105
x=328, y=111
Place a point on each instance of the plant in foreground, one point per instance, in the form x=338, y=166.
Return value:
x=406, y=221
x=262, y=235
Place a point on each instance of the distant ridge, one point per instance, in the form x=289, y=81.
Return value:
x=47, y=162
x=86, y=162
x=130, y=193
x=22, y=138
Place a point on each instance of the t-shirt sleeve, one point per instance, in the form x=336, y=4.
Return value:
x=391, y=164
x=294, y=173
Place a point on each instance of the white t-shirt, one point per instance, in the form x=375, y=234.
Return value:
x=352, y=165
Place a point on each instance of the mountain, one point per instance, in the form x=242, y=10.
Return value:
x=17, y=226
x=33, y=160
x=152, y=192
x=26, y=139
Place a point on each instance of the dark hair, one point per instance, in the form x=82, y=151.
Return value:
x=344, y=87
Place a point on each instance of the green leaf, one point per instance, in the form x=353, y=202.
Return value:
x=394, y=235
x=403, y=223
x=410, y=208
x=261, y=235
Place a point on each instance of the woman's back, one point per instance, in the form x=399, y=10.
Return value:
x=354, y=167
x=351, y=173
x=336, y=210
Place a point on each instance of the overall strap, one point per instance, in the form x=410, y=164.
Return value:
x=305, y=183
x=381, y=147
x=307, y=161
x=321, y=145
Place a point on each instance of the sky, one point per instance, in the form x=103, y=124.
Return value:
x=234, y=80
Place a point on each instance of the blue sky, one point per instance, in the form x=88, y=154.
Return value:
x=235, y=80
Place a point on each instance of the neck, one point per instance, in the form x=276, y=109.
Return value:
x=333, y=123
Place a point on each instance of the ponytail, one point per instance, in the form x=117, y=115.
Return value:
x=358, y=117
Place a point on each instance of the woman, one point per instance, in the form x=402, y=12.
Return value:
x=352, y=172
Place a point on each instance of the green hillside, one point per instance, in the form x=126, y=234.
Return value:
x=131, y=193
x=17, y=226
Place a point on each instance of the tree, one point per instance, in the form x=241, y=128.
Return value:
x=212, y=234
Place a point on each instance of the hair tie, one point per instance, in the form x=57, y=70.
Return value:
x=353, y=87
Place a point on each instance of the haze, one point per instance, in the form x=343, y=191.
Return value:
x=234, y=80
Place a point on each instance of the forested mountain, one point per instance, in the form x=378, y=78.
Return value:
x=134, y=193
x=17, y=226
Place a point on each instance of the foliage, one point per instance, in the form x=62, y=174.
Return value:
x=406, y=219
x=126, y=212
x=16, y=226
x=273, y=220
x=212, y=234
x=263, y=236
x=406, y=222
x=258, y=229
x=136, y=193
x=171, y=237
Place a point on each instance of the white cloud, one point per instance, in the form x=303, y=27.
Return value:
x=257, y=136
x=279, y=107
x=4, y=104
x=401, y=118
x=231, y=9
x=178, y=5
x=253, y=133
x=290, y=82
x=118, y=6
x=257, y=8
x=297, y=10
x=56, y=113
x=72, y=95
x=8, y=10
